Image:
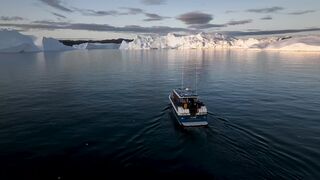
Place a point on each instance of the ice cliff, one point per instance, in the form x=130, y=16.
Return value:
x=211, y=41
x=13, y=41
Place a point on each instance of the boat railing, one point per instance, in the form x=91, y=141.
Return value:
x=202, y=110
x=182, y=111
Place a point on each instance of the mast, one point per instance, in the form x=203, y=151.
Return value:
x=182, y=75
x=196, y=78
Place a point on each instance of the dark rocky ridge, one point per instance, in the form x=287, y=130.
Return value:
x=74, y=42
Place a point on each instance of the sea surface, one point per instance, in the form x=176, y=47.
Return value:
x=105, y=113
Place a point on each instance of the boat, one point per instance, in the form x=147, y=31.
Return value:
x=187, y=107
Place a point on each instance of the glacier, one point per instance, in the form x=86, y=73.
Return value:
x=220, y=41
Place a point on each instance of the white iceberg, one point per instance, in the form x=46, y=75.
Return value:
x=97, y=46
x=51, y=44
x=173, y=41
x=13, y=42
x=124, y=45
x=303, y=43
x=211, y=41
x=80, y=46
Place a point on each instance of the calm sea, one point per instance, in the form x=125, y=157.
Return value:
x=106, y=113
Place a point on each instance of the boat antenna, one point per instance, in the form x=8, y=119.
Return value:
x=196, y=78
x=182, y=74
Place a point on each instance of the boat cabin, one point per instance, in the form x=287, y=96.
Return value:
x=187, y=99
x=189, y=110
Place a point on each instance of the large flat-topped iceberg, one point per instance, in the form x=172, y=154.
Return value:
x=211, y=41
x=13, y=41
x=172, y=41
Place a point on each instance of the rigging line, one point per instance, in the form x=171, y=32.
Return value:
x=196, y=88
x=182, y=74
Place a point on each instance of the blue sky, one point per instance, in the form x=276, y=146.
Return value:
x=98, y=19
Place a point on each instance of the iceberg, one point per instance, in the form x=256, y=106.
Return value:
x=14, y=42
x=303, y=43
x=124, y=45
x=80, y=46
x=217, y=40
x=173, y=41
x=97, y=46
x=51, y=44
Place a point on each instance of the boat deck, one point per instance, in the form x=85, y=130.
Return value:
x=186, y=93
x=186, y=100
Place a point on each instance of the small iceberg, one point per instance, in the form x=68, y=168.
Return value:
x=51, y=44
x=97, y=46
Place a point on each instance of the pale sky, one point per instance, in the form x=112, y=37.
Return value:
x=104, y=19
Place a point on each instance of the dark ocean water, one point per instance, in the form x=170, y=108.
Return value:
x=104, y=113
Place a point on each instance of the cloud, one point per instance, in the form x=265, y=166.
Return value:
x=207, y=26
x=195, y=18
x=56, y=4
x=230, y=11
x=153, y=2
x=132, y=11
x=253, y=30
x=230, y=23
x=302, y=12
x=266, y=10
x=150, y=16
x=51, y=25
x=266, y=18
x=11, y=18
x=129, y=11
x=59, y=15
x=154, y=17
x=271, y=32
x=233, y=23
x=90, y=12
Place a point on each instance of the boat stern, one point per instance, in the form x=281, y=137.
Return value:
x=188, y=121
